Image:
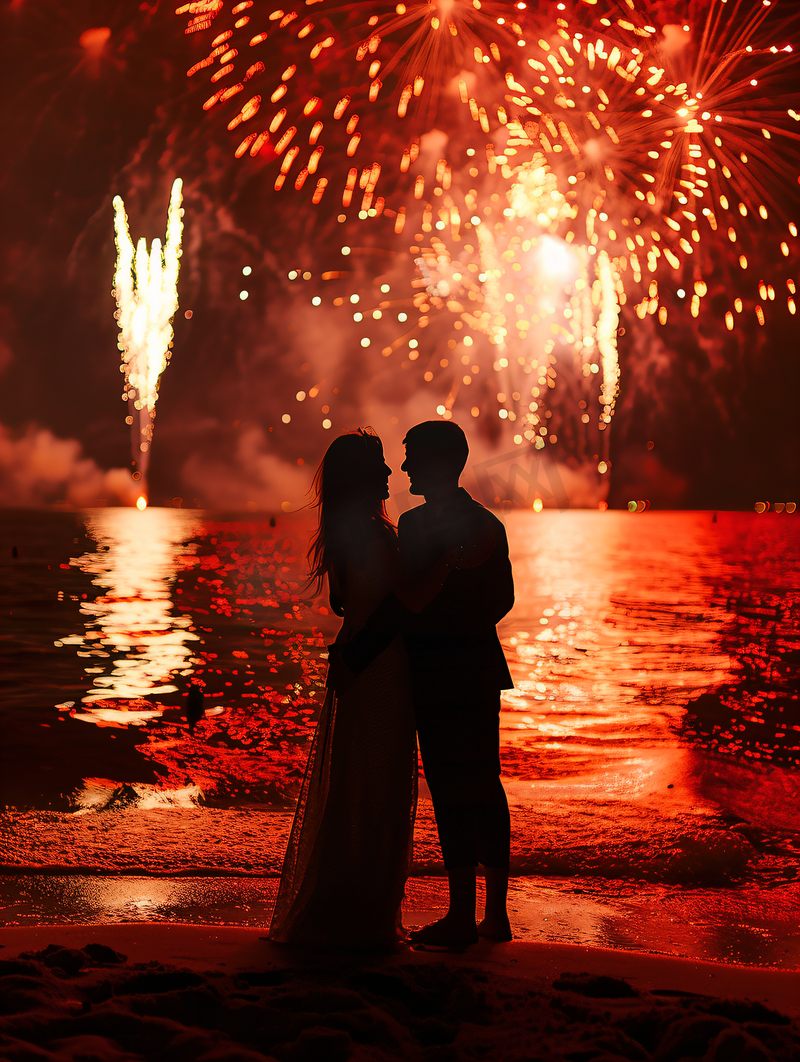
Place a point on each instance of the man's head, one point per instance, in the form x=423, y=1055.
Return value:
x=436, y=452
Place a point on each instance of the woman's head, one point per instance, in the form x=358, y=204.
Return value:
x=351, y=487
x=353, y=472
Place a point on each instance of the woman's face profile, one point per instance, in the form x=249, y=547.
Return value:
x=369, y=474
x=382, y=473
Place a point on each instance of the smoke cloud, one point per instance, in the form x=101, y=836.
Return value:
x=254, y=478
x=39, y=469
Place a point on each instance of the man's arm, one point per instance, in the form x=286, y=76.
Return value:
x=482, y=592
x=500, y=588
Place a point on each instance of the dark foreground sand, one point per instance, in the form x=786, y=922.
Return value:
x=199, y=994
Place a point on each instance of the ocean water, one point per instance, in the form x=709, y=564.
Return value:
x=651, y=746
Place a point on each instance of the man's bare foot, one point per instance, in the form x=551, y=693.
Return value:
x=448, y=932
x=498, y=929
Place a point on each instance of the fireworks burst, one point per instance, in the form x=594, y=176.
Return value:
x=343, y=70
x=551, y=167
x=676, y=143
x=145, y=287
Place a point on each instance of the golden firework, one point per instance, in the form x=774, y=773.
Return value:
x=146, y=290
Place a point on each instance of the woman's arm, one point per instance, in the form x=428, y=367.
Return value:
x=376, y=617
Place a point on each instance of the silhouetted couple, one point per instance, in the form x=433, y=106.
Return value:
x=418, y=650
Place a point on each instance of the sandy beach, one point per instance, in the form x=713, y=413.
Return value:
x=124, y=992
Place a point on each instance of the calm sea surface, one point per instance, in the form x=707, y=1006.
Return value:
x=651, y=747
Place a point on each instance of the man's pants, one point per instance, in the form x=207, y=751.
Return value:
x=460, y=745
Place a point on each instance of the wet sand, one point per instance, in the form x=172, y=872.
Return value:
x=738, y=926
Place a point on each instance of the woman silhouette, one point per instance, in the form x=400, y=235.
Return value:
x=350, y=846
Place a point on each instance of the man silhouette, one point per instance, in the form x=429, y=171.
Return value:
x=457, y=672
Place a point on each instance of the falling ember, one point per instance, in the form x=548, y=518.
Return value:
x=145, y=286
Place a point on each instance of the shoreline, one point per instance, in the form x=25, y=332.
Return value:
x=759, y=929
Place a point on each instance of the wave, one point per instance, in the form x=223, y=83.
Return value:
x=129, y=830
x=101, y=794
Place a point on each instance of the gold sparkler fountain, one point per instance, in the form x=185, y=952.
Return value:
x=146, y=290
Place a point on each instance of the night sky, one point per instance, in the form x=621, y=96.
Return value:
x=83, y=123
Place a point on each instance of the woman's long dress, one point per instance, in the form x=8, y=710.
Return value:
x=350, y=846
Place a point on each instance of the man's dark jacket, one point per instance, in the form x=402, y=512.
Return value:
x=453, y=647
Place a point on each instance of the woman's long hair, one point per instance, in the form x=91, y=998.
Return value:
x=346, y=502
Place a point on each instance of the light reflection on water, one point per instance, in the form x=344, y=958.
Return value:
x=619, y=625
x=621, y=621
x=612, y=633
x=642, y=614
x=135, y=642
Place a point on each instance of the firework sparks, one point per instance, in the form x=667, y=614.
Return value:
x=341, y=70
x=677, y=142
x=541, y=311
x=145, y=287
x=591, y=159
